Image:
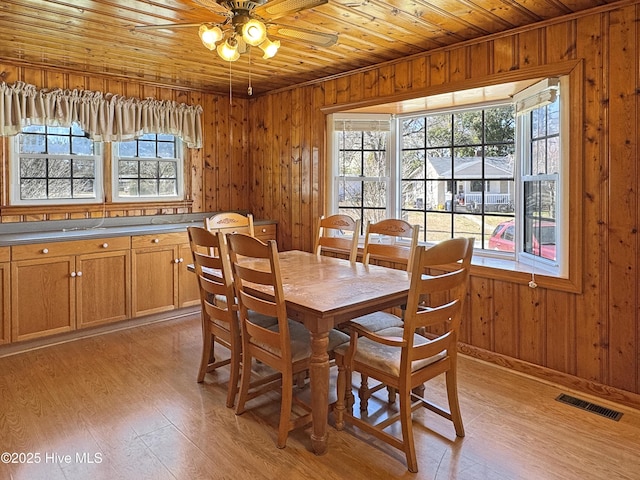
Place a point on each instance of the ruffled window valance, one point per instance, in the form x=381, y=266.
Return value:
x=106, y=118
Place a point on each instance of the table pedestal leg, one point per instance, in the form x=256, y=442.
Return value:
x=319, y=375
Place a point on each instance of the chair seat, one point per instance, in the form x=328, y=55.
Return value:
x=386, y=358
x=377, y=321
x=301, y=340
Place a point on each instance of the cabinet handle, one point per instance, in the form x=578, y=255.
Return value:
x=45, y=250
x=105, y=245
x=156, y=240
x=73, y=274
x=181, y=259
x=176, y=260
x=264, y=230
x=79, y=274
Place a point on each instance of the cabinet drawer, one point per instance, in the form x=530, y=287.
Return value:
x=147, y=241
x=76, y=247
x=265, y=232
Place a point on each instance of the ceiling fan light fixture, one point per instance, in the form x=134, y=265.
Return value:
x=254, y=32
x=269, y=48
x=209, y=36
x=228, y=50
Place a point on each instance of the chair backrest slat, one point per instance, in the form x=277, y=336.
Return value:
x=338, y=233
x=230, y=222
x=381, y=242
x=258, y=287
x=217, y=295
x=445, y=293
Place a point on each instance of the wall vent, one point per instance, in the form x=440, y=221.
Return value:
x=590, y=407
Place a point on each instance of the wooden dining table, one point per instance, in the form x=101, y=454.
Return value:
x=322, y=292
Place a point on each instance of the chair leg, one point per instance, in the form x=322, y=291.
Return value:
x=207, y=350
x=419, y=390
x=391, y=395
x=234, y=375
x=245, y=380
x=348, y=399
x=454, y=405
x=285, y=410
x=363, y=392
x=341, y=393
x=407, y=431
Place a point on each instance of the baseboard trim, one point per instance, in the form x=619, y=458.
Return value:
x=43, y=342
x=554, y=377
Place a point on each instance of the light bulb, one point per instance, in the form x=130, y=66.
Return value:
x=254, y=32
x=269, y=48
x=209, y=36
x=228, y=50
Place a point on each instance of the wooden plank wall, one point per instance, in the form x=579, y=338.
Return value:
x=589, y=340
x=217, y=174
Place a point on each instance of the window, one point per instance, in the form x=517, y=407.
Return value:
x=539, y=126
x=148, y=168
x=456, y=171
x=495, y=171
x=55, y=165
x=362, y=181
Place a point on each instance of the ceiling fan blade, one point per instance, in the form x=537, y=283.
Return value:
x=280, y=8
x=308, y=36
x=166, y=25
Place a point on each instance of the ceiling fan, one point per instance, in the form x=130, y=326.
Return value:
x=239, y=24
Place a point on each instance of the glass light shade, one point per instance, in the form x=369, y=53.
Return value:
x=254, y=32
x=228, y=52
x=210, y=36
x=269, y=48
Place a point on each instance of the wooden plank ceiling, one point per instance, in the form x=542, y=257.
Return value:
x=98, y=37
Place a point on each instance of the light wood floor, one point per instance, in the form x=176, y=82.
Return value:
x=125, y=405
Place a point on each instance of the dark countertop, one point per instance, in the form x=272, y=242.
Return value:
x=65, y=230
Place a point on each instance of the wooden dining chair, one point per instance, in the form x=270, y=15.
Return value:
x=389, y=242
x=230, y=222
x=220, y=322
x=403, y=359
x=338, y=234
x=285, y=347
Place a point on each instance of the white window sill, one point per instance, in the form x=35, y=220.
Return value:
x=509, y=270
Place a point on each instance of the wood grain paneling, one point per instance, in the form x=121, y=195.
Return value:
x=267, y=154
x=588, y=338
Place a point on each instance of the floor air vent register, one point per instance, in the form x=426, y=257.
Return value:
x=590, y=407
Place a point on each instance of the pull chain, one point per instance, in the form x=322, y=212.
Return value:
x=230, y=86
x=249, y=88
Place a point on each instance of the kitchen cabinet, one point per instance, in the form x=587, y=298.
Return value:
x=160, y=279
x=265, y=231
x=60, y=286
x=5, y=299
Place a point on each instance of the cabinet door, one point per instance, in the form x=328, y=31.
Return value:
x=188, y=291
x=5, y=314
x=103, y=287
x=42, y=297
x=154, y=280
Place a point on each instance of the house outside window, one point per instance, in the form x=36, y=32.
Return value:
x=457, y=175
x=55, y=165
x=497, y=172
x=148, y=169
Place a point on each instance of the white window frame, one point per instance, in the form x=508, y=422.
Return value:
x=115, y=175
x=359, y=122
x=529, y=99
x=16, y=178
x=558, y=268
